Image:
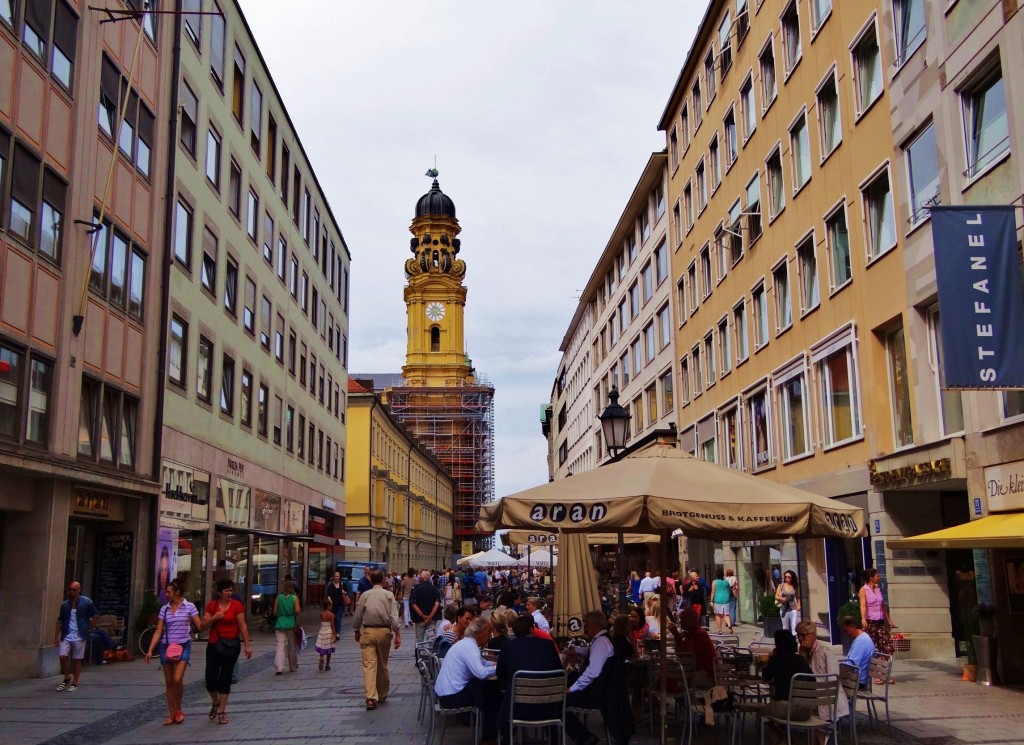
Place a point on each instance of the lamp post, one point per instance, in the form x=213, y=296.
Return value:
x=614, y=426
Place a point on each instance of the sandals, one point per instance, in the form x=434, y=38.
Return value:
x=213, y=711
x=179, y=718
x=370, y=704
x=222, y=717
x=170, y=720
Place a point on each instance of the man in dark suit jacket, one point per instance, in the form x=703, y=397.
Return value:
x=525, y=652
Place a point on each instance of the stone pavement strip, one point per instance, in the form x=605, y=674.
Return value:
x=123, y=704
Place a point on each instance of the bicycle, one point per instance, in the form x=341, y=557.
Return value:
x=146, y=638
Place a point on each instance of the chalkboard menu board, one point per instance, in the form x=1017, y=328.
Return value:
x=114, y=574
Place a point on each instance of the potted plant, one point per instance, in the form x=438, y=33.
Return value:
x=147, y=612
x=984, y=643
x=850, y=608
x=769, y=613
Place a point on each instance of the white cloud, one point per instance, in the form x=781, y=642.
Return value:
x=541, y=114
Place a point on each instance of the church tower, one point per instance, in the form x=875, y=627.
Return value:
x=435, y=297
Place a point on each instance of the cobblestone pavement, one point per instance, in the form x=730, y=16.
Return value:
x=123, y=704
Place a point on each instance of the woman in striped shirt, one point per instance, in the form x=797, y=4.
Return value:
x=174, y=626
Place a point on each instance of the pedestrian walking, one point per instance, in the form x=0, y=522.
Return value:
x=339, y=600
x=874, y=614
x=75, y=621
x=424, y=604
x=286, y=608
x=408, y=582
x=173, y=634
x=375, y=623
x=225, y=618
x=787, y=596
x=720, y=597
x=326, y=638
x=734, y=593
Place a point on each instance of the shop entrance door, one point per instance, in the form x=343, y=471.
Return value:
x=844, y=562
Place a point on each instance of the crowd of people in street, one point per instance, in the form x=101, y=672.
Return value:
x=456, y=614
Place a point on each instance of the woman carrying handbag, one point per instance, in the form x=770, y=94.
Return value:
x=286, y=608
x=173, y=634
x=226, y=618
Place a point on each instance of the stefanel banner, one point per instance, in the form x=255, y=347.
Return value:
x=980, y=300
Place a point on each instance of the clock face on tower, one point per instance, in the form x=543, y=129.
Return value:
x=435, y=311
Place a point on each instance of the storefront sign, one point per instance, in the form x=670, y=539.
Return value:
x=925, y=471
x=467, y=548
x=92, y=504
x=1004, y=486
x=980, y=298
x=114, y=573
x=232, y=503
x=186, y=492
x=977, y=506
x=330, y=504
x=236, y=468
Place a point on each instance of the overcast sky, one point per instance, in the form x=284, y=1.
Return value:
x=541, y=114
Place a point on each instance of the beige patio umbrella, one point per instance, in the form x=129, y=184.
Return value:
x=575, y=586
x=535, y=538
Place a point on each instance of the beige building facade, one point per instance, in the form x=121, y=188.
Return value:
x=81, y=246
x=257, y=339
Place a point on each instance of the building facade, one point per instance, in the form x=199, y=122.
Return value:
x=254, y=424
x=399, y=496
x=81, y=246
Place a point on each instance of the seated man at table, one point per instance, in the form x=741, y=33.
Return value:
x=525, y=652
x=589, y=691
x=692, y=638
x=460, y=681
x=823, y=661
x=861, y=648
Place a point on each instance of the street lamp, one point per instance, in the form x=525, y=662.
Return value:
x=615, y=425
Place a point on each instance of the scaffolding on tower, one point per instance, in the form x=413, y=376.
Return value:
x=456, y=423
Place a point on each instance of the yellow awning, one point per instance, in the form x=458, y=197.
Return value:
x=1005, y=530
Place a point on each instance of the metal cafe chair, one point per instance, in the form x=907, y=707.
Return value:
x=429, y=676
x=537, y=687
x=849, y=679
x=809, y=691
x=880, y=668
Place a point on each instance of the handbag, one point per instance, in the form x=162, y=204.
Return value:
x=228, y=646
x=172, y=652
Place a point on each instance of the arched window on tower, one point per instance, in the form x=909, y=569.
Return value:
x=435, y=339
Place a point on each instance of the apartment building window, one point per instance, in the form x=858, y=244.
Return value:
x=677, y=224
x=624, y=366
x=753, y=210
x=684, y=126
x=721, y=251
x=227, y=386
x=278, y=419
x=724, y=346
x=282, y=257
x=192, y=15
x=807, y=263
x=667, y=402
x=899, y=388
x=253, y=217
x=218, y=42
x=289, y=432
x=238, y=86
x=684, y=380
x=922, y=173
x=652, y=403
x=261, y=410
x=118, y=270
x=271, y=147
x=987, y=135
x=707, y=439
x=709, y=75
x=838, y=246
x=688, y=204
x=650, y=346
x=791, y=36
x=705, y=270
x=830, y=124
x=734, y=234
x=664, y=326
x=634, y=302
x=820, y=11
x=776, y=186
x=710, y=362
x=702, y=188
x=279, y=339
x=647, y=277
x=110, y=94
x=660, y=264
x=673, y=148
x=235, y=189
x=255, y=119
x=867, y=68
x=312, y=374
x=312, y=441
x=659, y=202
x=268, y=238
x=725, y=44
x=183, y=234
x=189, y=118
x=731, y=148
x=760, y=301
x=769, y=84
x=698, y=371
x=266, y=312
x=245, y=400
x=800, y=145
x=715, y=163
x=208, y=270
x=742, y=21
x=783, y=296
x=177, y=352
x=748, y=108
x=681, y=299
x=304, y=292
x=249, y=311
x=950, y=401
x=698, y=106
x=791, y=396
x=213, y=158
x=292, y=346
x=302, y=364
x=204, y=368
x=107, y=423
x=632, y=251
x=285, y=165
x=758, y=429
x=911, y=28
x=836, y=369
x=739, y=327
x=304, y=217
x=638, y=357
x=231, y=286
x=293, y=276
x=691, y=278
x=878, y=209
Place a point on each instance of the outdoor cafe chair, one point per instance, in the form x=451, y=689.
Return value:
x=809, y=691
x=677, y=691
x=725, y=640
x=537, y=687
x=436, y=710
x=849, y=678
x=880, y=668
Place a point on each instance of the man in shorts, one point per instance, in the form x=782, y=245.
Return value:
x=77, y=618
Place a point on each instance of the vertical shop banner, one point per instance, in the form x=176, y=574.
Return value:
x=166, y=560
x=980, y=298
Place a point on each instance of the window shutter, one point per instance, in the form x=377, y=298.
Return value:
x=110, y=80
x=838, y=339
x=146, y=124
x=37, y=15
x=54, y=190
x=25, y=184
x=65, y=30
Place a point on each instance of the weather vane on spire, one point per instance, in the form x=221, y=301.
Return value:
x=432, y=172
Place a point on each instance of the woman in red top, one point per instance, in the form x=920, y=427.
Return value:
x=228, y=629
x=639, y=629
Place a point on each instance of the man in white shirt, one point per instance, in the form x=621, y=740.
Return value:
x=533, y=608
x=583, y=693
x=649, y=587
x=460, y=681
